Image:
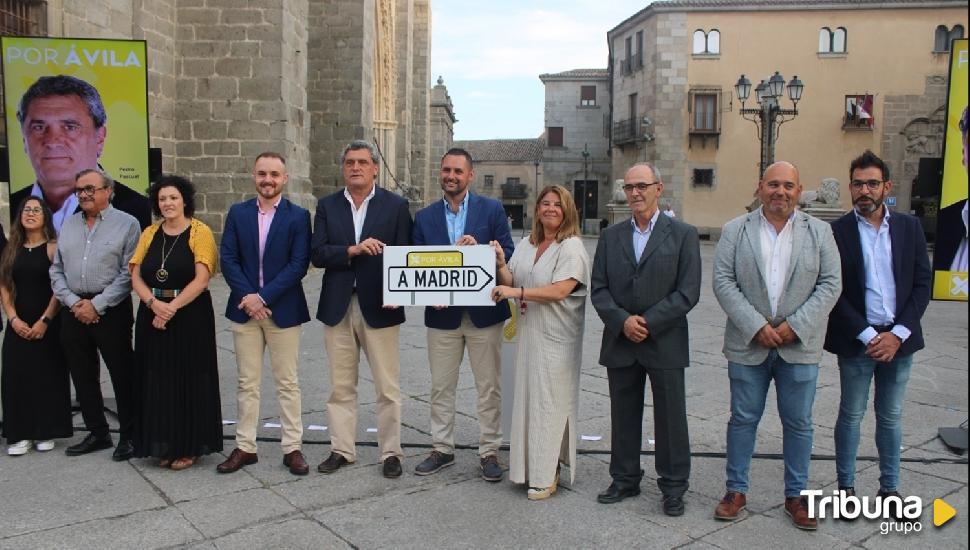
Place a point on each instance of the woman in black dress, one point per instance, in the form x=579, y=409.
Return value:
x=177, y=380
x=35, y=382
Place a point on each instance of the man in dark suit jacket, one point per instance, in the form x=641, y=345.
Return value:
x=352, y=227
x=265, y=253
x=875, y=326
x=646, y=277
x=463, y=218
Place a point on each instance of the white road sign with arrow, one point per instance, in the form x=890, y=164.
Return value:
x=439, y=275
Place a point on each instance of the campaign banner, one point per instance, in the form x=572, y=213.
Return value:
x=439, y=275
x=950, y=278
x=85, y=105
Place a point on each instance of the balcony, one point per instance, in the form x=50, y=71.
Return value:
x=626, y=131
x=626, y=67
x=514, y=191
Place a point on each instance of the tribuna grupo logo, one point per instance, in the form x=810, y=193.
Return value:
x=897, y=514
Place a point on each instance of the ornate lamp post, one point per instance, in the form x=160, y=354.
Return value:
x=768, y=116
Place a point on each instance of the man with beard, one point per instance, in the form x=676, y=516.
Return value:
x=875, y=326
x=265, y=253
x=464, y=218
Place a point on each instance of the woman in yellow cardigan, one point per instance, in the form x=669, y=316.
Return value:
x=176, y=372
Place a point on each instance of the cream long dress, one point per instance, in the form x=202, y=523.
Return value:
x=547, y=363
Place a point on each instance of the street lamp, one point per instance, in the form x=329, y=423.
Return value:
x=768, y=116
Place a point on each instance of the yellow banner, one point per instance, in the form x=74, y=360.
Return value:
x=950, y=285
x=949, y=254
x=63, y=135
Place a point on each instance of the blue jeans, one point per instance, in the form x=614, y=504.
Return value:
x=856, y=373
x=795, y=390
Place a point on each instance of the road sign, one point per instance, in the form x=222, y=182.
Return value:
x=439, y=275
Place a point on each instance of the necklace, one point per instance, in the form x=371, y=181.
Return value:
x=30, y=248
x=162, y=273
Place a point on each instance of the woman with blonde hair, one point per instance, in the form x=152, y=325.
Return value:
x=548, y=275
x=36, y=387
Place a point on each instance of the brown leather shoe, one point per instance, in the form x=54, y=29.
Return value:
x=730, y=506
x=295, y=461
x=237, y=460
x=797, y=510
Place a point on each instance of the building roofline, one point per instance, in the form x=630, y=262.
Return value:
x=674, y=6
x=577, y=74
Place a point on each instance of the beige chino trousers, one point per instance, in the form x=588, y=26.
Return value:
x=344, y=342
x=251, y=340
x=445, y=351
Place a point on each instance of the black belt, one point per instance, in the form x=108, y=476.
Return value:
x=87, y=296
x=883, y=328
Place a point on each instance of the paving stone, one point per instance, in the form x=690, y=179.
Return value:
x=145, y=529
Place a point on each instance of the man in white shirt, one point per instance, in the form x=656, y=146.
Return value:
x=351, y=229
x=875, y=326
x=777, y=276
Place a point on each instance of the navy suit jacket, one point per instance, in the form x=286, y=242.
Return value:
x=389, y=221
x=286, y=257
x=911, y=272
x=485, y=221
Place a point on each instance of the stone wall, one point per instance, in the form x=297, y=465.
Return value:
x=913, y=127
x=661, y=88
x=442, y=136
x=422, y=164
x=582, y=131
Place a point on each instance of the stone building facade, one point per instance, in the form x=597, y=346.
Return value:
x=442, y=136
x=673, y=66
x=228, y=80
x=576, y=147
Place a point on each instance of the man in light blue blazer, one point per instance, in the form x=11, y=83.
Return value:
x=464, y=218
x=265, y=253
x=777, y=275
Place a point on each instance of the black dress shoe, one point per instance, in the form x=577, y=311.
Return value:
x=615, y=494
x=391, y=467
x=90, y=444
x=673, y=505
x=332, y=463
x=123, y=451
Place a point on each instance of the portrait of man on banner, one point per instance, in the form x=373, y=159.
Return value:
x=61, y=95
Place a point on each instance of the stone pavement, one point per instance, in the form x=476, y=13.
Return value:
x=49, y=500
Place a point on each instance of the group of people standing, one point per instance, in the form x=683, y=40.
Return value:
x=780, y=275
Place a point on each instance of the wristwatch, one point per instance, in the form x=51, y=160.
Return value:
x=46, y=320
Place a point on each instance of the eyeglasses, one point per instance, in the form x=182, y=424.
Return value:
x=641, y=187
x=33, y=210
x=871, y=184
x=89, y=190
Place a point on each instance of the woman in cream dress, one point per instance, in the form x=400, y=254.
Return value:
x=548, y=275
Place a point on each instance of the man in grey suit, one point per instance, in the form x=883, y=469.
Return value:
x=777, y=275
x=646, y=277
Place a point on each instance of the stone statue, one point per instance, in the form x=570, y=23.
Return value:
x=619, y=197
x=826, y=195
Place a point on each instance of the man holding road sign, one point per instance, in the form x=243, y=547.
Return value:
x=463, y=218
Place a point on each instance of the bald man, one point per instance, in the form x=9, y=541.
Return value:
x=777, y=275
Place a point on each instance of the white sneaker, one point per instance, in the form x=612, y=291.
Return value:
x=44, y=445
x=19, y=448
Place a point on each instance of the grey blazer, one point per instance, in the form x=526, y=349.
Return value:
x=662, y=287
x=814, y=283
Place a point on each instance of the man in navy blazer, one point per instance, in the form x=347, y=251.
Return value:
x=463, y=218
x=265, y=253
x=352, y=227
x=875, y=326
